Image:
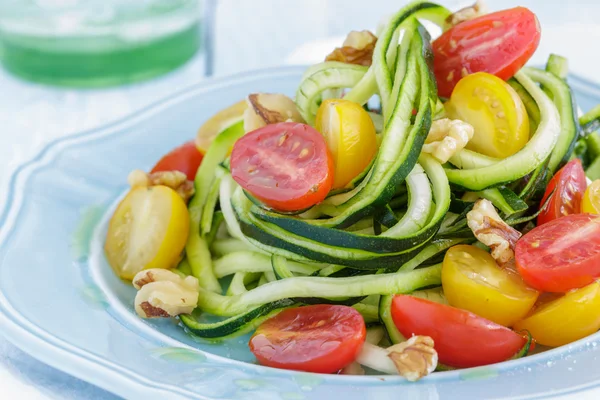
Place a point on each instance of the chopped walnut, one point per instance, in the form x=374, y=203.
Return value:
x=147, y=276
x=414, y=358
x=447, y=137
x=162, y=293
x=174, y=179
x=269, y=108
x=464, y=14
x=491, y=230
x=356, y=49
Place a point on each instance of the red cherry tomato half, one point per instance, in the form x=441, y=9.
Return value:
x=287, y=165
x=462, y=339
x=499, y=43
x=566, y=188
x=321, y=338
x=561, y=255
x=185, y=158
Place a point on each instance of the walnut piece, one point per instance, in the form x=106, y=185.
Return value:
x=414, y=358
x=464, y=14
x=356, y=49
x=269, y=108
x=174, y=179
x=162, y=293
x=446, y=138
x=491, y=230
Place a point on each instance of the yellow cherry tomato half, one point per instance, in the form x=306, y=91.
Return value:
x=590, y=204
x=148, y=229
x=474, y=282
x=566, y=319
x=350, y=135
x=496, y=112
x=218, y=123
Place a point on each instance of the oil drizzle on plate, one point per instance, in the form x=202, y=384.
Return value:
x=178, y=354
x=94, y=297
x=82, y=236
x=478, y=373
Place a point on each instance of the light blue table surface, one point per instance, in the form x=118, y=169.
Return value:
x=248, y=34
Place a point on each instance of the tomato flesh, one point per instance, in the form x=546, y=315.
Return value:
x=565, y=319
x=185, y=158
x=287, y=165
x=321, y=338
x=496, y=112
x=350, y=135
x=566, y=189
x=561, y=255
x=218, y=123
x=591, y=198
x=462, y=339
x=499, y=43
x=474, y=282
x=148, y=229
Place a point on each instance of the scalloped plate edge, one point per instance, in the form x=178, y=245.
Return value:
x=96, y=370
x=39, y=343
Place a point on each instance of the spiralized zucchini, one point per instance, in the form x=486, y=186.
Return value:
x=387, y=231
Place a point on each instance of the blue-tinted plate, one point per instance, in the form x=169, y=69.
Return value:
x=60, y=301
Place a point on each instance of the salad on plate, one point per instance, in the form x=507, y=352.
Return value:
x=419, y=205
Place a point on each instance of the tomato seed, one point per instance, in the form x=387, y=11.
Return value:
x=282, y=139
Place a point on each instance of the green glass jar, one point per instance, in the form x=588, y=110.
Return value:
x=95, y=43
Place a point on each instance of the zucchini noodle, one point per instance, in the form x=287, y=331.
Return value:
x=387, y=231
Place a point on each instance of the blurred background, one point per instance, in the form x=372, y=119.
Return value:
x=72, y=65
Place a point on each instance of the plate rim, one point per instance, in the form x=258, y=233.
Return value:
x=81, y=363
x=39, y=343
